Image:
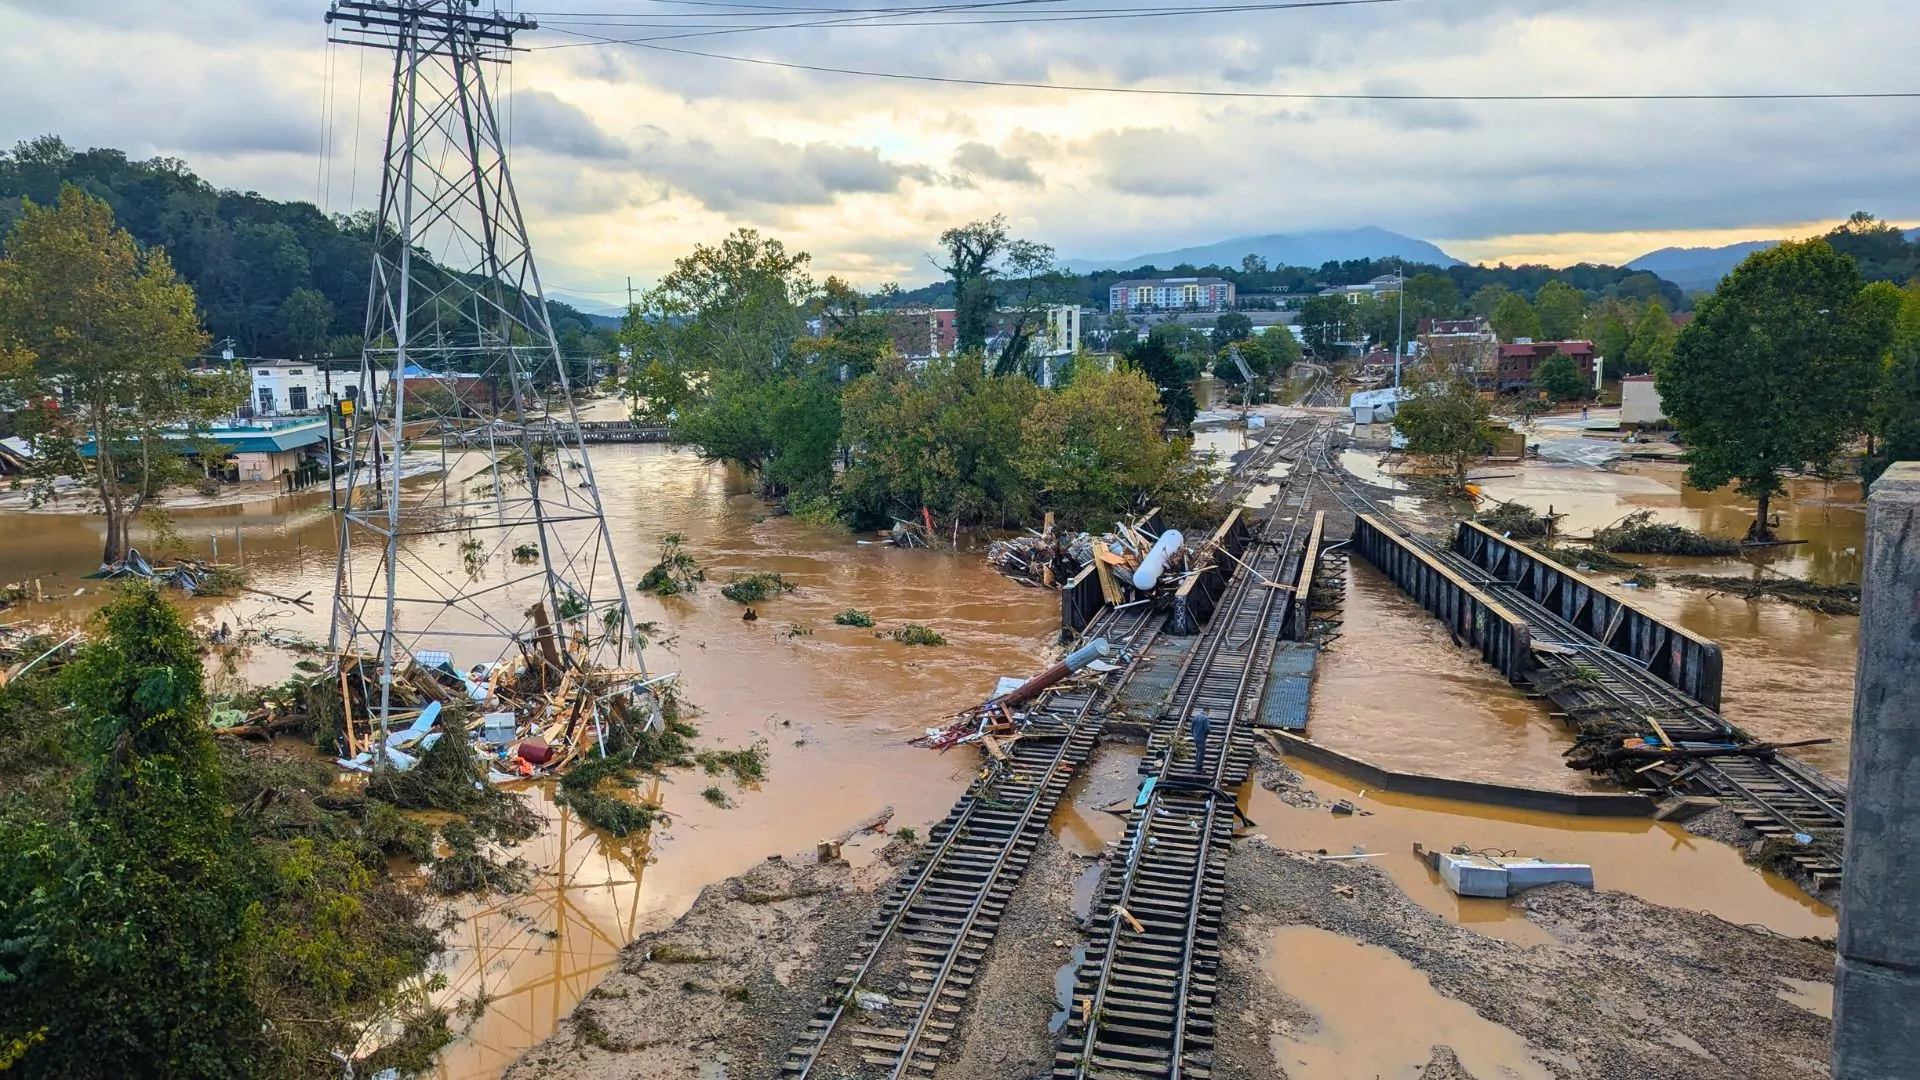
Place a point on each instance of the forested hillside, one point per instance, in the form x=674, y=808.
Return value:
x=278, y=278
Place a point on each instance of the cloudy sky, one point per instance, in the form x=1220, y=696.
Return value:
x=627, y=156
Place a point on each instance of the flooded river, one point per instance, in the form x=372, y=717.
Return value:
x=836, y=706
x=1788, y=671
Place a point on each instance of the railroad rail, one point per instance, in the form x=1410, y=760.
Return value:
x=1286, y=440
x=926, y=945
x=1144, y=996
x=1776, y=795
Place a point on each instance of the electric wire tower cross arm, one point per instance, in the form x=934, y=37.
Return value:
x=464, y=439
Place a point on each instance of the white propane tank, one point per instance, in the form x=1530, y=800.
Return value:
x=1155, y=563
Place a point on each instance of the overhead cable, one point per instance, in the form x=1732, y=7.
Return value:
x=1274, y=95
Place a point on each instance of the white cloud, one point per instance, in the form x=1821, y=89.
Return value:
x=626, y=157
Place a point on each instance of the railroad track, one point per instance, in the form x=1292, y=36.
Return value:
x=1285, y=442
x=925, y=947
x=1776, y=795
x=1144, y=997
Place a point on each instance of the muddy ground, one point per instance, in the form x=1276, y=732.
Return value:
x=728, y=988
x=1628, y=990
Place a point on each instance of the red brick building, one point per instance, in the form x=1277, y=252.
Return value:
x=1518, y=361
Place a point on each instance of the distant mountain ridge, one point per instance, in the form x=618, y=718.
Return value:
x=1698, y=267
x=1310, y=249
x=1702, y=268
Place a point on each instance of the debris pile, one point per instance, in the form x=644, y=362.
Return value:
x=1045, y=558
x=23, y=650
x=1656, y=760
x=1137, y=556
x=191, y=576
x=1518, y=521
x=1842, y=599
x=531, y=715
x=1639, y=534
x=995, y=722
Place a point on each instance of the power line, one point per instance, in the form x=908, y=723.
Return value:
x=1272, y=95
x=863, y=20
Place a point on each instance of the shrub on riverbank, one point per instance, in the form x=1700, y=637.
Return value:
x=236, y=918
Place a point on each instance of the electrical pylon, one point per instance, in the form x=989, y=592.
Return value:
x=471, y=522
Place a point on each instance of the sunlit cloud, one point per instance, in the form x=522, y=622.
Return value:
x=626, y=157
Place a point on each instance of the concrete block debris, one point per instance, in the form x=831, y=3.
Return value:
x=1474, y=874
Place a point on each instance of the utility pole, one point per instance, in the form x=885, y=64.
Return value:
x=455, y=305
x=1400, y=335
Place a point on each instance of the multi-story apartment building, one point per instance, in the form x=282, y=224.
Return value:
x=1171, y=294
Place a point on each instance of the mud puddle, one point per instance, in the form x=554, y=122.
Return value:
x=1375, y=1015
x=1657, y=861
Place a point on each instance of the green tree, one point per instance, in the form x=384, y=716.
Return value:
x=1231, y=326
x=1880, y=250
x=1379, y=320
x=1029, y=281
x=134, y=915
x=1445, y=418
x=721, y=351
x=1487, y=299
x=1893, y=423
x=1559, y=378
x=1610, y=325
x=945, y=435
x=1561, y=308
x=1431, y=296
x=1095, y=448
x=111, y=330
x=971, y=251
x=1654, y=336
x=1327, y=321
x=1776, y=371
x=306, y=321
x=1171, y=368
x=1515, y=319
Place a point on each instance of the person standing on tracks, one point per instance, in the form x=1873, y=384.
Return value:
x=1199, y=724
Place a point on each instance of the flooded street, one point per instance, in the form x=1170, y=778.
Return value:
x=835, y=705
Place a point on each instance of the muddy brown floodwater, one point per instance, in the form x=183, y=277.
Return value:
x=1788, y=671
x=836, y=706
x=1395, y=690
x=1376, y=1015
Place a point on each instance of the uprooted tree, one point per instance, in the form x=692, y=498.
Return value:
x=1777, y=370
x=102, y=332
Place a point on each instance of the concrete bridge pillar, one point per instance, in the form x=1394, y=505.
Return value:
x=1876, y=1015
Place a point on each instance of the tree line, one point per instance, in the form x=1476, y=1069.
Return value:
x=799, y=382
x=275, y=278
x=1261, y=286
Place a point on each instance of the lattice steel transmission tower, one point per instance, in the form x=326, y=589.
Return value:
x=471, y=522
